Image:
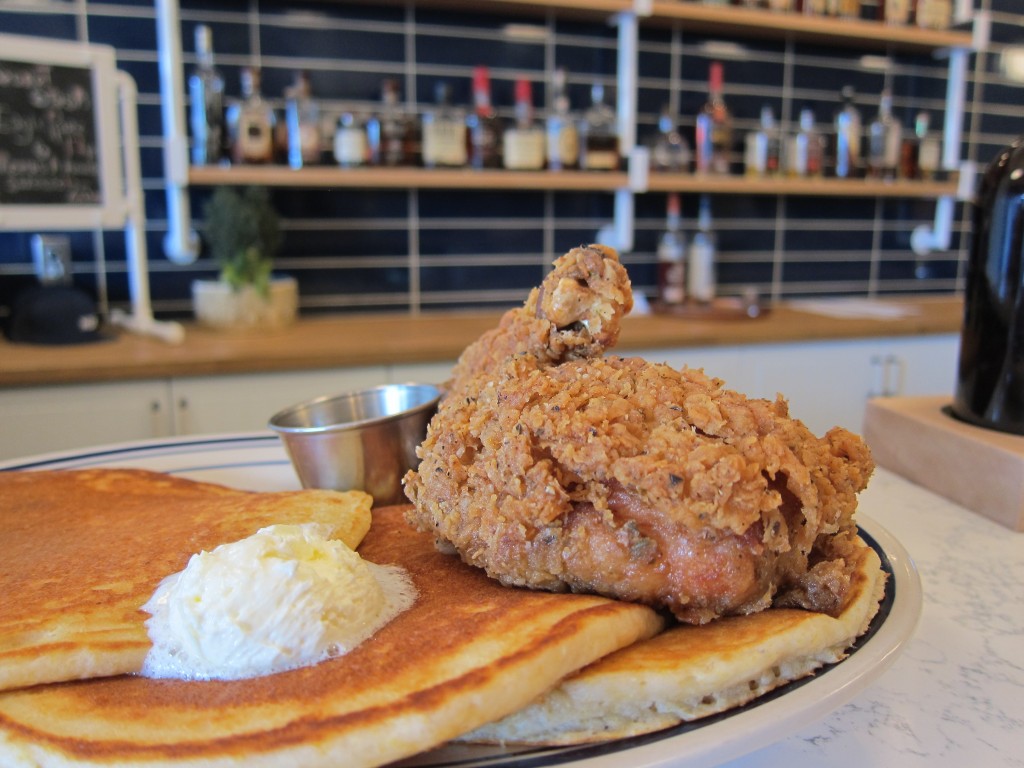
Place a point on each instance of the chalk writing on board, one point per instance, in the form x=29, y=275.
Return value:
x=48, y=153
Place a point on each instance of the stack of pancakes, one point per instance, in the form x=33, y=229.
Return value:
x=81, y=551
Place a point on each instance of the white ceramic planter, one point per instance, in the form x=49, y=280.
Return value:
x=217, y=305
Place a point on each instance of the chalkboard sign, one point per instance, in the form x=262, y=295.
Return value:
x=48, y=153
x=60, y=160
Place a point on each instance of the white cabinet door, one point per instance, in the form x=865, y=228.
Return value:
x=925, y=365
x=44, y=419
x=245, y=402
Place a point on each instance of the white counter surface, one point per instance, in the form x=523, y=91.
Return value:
x=955, y=696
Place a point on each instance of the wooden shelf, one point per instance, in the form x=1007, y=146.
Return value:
x=398, y=178
x=753, y=22
x=741, y=185
x=328, y=177
x=742, y=22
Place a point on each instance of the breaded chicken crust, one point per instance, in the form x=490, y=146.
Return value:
x=572, y=471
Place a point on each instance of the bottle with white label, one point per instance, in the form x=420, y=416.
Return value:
x=672, y=257
x=524, y=145
x=599, y=134
x=444, y=132
x=700, y=267
x=563, y=141
x=251, y=123
x=351, y=145
x=929, y=149
x=885, y=137
x=805, y=154
x=934, y=14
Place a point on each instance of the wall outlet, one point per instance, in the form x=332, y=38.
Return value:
x=51, y=255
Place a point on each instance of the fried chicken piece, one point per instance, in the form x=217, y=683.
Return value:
x=575, y=313
x=556, y=468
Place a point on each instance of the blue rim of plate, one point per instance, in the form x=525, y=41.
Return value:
x=469, y=756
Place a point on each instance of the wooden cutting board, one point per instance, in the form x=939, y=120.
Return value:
x=981, y=469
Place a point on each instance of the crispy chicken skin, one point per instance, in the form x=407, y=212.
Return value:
x=553, y=467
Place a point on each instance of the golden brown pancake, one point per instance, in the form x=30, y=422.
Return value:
x=688, y=672
x=469, y=651
x=81, y=551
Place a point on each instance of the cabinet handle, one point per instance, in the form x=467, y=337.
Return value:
x=894, y=369
x=181, y=420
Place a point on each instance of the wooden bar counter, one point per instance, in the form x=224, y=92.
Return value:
x=357, y=340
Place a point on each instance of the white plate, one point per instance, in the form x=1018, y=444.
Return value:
x=258, y=462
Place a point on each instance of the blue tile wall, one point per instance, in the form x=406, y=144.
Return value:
x=399, y=250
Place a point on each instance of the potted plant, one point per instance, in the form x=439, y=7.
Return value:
x=243, y=233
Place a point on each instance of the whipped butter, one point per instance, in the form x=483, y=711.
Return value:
x=284, y=597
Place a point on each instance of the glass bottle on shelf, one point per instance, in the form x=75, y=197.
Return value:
x=885, y=135
x=848, y=9
x=929, y=149
x=672, y=256
x=563, y=142
x=599, y=134
x=351, y=143
x=206, y=102
x=701, y=255
x=524, y=146
x=389, y=129
x=302, y=116
x=894, y=11
x=671, y=151
x=485, y=130
x=848, y=127
x=764, y=147
x=813, y=7
x=805, y=155
x=251, y=123
x=781, y=5
x=444, y=132
x=713, y=136
x=934, y=14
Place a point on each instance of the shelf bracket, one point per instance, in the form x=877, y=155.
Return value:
x=620, y=234
x=181, y=244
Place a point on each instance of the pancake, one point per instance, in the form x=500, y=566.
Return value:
x=469, y=651
x=81, y=551
x=688, y=672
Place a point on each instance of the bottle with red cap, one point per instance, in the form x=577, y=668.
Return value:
x=713, y=138
x=484, y=132
x=524, y=143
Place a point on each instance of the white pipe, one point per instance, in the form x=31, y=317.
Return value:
x=620, y=235
x=141, y=318
x=181, y=245
x=924, y=240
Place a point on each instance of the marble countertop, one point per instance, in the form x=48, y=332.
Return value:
x=955, y=694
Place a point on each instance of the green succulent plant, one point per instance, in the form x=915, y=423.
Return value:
x=243, y=232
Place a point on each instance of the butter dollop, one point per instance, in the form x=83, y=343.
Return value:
x=285, y=597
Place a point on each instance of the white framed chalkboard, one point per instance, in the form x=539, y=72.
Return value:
x=69, y=154
x=61, y=165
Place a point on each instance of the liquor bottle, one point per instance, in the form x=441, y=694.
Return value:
x=849, y=9
x=206, y=103
x=671, y=151
x=990, y=377
x=813, y=7
x=929, y=150
x=847, y=137
x=389, y=130
x=484, y=128
x=351, y=142
x=302, y=116
x=805, y=157
x=700, y=267
x=933, y=14
x=713, y=141
x=894, y=11
x=672, y=257
x=523, y=144
x=885, y=136
x=599, y=150
x=781, y=5
x=251, y=123
x=764, y=147
x=444, y=132
x=563, y=141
